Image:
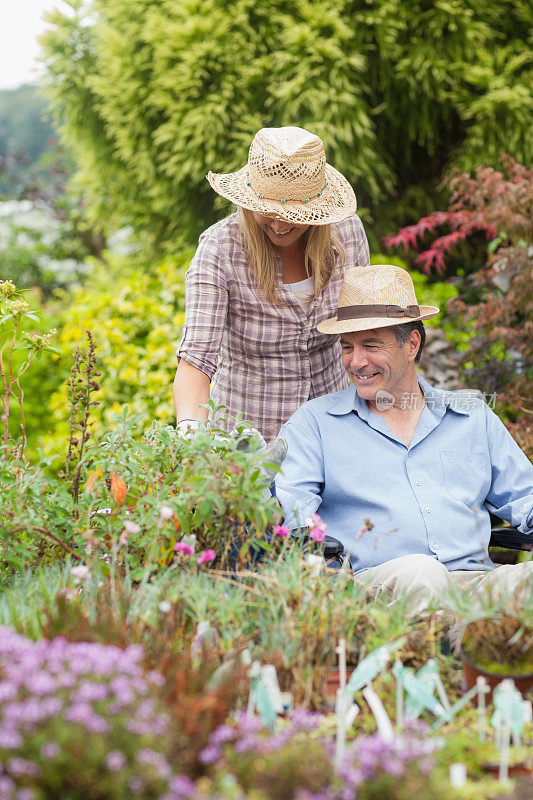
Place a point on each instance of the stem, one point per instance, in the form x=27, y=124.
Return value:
x=72, y=420
x=20, y=400
x=5, y=416
x=43, y=532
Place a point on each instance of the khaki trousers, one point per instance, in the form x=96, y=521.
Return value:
x=426, y=582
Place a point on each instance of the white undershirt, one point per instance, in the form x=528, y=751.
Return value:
x=302, y=291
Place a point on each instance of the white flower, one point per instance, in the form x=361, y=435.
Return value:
x=164, y=606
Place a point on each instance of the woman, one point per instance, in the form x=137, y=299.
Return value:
x=260, y=282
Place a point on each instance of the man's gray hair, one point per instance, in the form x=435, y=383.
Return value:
x=403, y=331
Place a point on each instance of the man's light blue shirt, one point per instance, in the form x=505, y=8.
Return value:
x=431, y=497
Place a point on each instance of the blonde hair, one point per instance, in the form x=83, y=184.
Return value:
x=321, y=244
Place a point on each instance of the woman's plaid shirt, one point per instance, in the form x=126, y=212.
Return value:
x=263, y=360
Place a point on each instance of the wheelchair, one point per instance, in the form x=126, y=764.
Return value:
x=503, y=539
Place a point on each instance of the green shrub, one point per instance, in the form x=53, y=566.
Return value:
x=135, y=313
x=151, y=95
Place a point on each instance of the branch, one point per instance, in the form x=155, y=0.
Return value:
x=52, y=535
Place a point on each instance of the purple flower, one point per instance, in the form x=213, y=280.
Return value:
x=50, y=750
x=248, y=723
x=40, y=683
x=135, y=785
x=222, y=734
x=155, y=678
x=10, y=739
x=281, y=530
x=25, y=794
x=206, y=556
x=303, y=720
x=6, y=786
x=84, y=715
x=21, y=767
x=209, y=754
x=247, y=743
x=115, y=760
x=182, y=786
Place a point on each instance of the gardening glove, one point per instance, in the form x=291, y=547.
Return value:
x=274, y=454
x=187, y=427
x=249, y=439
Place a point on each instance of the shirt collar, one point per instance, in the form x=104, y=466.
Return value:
x=437, y=400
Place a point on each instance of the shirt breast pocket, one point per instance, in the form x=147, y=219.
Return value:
x=465, y=475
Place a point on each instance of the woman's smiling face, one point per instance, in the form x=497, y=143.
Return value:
x=280, y=233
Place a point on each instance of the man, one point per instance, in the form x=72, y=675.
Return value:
x=403, y=474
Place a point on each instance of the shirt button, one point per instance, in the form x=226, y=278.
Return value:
x=418, y=483
x=409, y=455
x=435, y=547
x=428, y=509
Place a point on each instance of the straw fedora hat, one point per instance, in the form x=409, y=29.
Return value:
x=287, y=177
x=376, y=297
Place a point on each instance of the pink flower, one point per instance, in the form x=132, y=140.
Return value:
x=166, y=513
x=131, y=527
x=181, y=547
x=317, y=528
x=80, y=572
x=281, y=530
x=206, y=556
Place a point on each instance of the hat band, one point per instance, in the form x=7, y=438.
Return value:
x=285, y=199
x=361, y=312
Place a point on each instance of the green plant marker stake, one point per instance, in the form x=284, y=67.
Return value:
x=371, y=666
x=265, y=696
x=428, y=676
x=456, y=707
x=509, y=707
x=419, y=694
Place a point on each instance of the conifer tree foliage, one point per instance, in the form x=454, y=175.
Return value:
x=154, y=93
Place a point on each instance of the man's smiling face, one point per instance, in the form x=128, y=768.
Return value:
x=375, y=361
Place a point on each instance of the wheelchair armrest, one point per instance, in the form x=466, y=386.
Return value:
x=331, y=548
x=511, y=539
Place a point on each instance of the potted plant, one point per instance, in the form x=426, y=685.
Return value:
x=494, y=635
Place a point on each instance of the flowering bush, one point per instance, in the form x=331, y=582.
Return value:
x=135, y=501
x=81, y=720
x=297, y=761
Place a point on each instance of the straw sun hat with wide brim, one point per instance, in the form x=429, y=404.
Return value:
x=287, y=177
x=376, y=297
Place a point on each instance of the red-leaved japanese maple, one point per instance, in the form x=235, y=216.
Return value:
x=498, y=203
